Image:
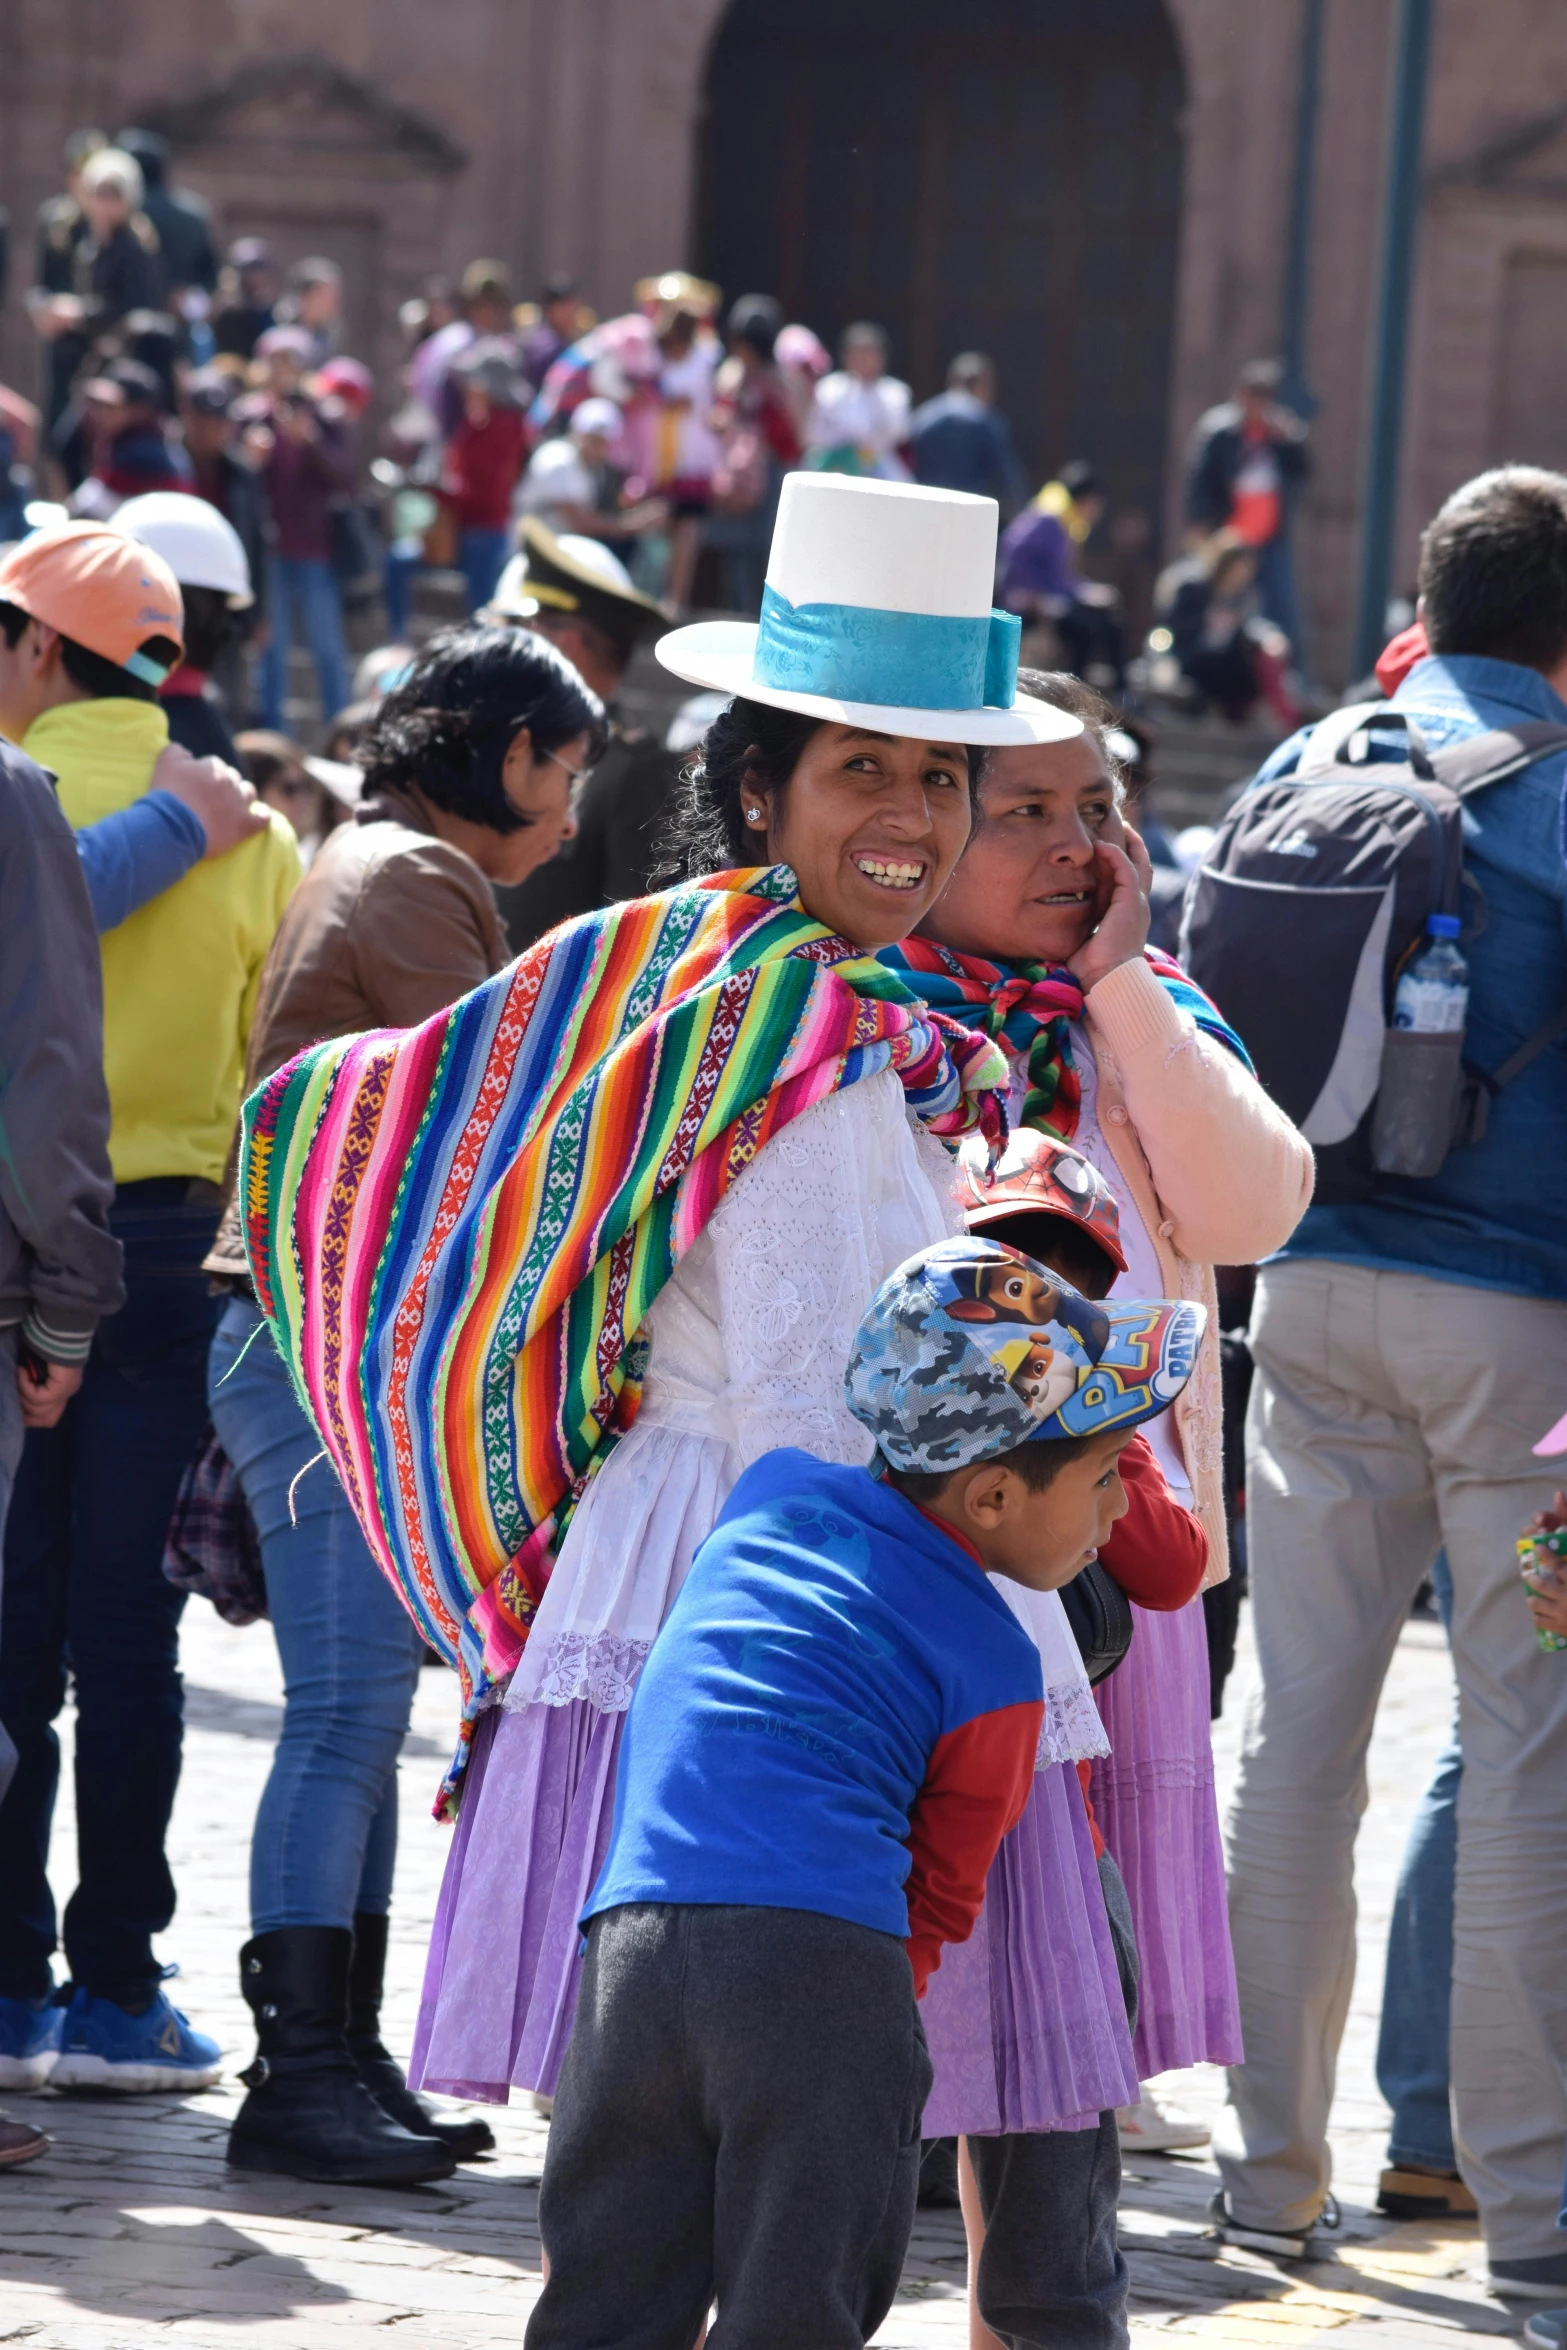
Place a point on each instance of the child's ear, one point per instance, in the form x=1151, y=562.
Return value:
x=985, y=1496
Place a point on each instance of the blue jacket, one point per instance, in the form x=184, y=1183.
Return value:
x=957, y=443
x=1495, y=1217
x=840, y=1714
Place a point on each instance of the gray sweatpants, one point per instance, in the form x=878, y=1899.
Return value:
x=1393, y=1415
x=1051, y=2273
x=738, y=2119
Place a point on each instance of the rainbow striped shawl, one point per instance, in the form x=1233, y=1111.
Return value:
x=456, y=1230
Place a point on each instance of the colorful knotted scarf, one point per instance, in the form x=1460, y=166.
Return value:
x=1029, y=1007
x=456, y=1230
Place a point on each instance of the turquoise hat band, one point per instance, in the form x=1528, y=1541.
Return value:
x=903, y=660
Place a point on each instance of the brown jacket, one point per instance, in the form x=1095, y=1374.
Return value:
x=389, y=925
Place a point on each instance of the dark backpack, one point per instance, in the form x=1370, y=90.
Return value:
x=1315, y=892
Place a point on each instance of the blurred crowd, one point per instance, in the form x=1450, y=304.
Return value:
x=203, y=883
x=663, y=434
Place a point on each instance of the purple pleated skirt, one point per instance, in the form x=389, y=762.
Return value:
x=1025, y=2020
x=1154, y=1800
x=500, y=1984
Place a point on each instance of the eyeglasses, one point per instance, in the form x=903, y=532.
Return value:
x=576, y=773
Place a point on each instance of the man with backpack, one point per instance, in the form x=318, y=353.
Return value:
x=1411, y=1345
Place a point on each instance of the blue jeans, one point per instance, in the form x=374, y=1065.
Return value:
x=85, y=1596
x=482, y=554
x=397, y=587
x=1277, y=592
x=1417, y=1992
x=306, y=592
x=10, y=1457
x=325, y=1838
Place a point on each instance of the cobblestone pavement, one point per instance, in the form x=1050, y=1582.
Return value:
x=131, y=2232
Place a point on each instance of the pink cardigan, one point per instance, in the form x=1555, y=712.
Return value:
x=1219, y=1174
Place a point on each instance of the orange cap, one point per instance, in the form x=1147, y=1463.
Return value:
x=107, y=591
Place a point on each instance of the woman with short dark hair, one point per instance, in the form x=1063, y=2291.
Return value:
x=469, y=769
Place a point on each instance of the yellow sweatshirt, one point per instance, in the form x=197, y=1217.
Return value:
x=180, y=976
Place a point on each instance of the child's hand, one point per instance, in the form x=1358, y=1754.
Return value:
x=1547, y=1605
x=1552, y=1520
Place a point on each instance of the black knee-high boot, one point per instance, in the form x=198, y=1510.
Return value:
x=380, y=2071
x=309, y=2114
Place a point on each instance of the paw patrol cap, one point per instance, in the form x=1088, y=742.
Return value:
x=970, y=1348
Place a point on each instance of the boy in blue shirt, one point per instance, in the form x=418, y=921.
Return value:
x=835, y=1728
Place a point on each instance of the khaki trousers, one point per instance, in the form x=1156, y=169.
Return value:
x=1393, y=1414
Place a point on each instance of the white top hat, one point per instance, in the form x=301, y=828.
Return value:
x=877, y=613
x=200, y=546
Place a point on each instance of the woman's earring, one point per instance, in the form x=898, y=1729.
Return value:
x=753, y=815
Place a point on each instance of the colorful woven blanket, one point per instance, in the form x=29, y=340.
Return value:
x=456, y=1230
x=1030, y=1006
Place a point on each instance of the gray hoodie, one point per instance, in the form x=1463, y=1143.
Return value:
x=59, y=1265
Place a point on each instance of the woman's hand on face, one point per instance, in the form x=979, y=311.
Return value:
x=1125, y=877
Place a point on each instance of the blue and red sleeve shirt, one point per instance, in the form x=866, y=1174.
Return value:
x=840, y=1714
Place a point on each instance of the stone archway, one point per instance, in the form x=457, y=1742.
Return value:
x=1003, y=175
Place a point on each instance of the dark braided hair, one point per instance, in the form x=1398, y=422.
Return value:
x=706, y=832
x=447, y=727
x=749, y=743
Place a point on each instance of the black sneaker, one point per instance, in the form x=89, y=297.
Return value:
x=1278, y=2243
x=1541, y=2279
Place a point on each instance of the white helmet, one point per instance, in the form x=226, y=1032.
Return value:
x=200, y=546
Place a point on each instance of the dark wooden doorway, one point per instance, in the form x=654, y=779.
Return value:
x=1002, y=175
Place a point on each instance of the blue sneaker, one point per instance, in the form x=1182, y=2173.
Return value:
x=106, y=2047
x=30, y=2034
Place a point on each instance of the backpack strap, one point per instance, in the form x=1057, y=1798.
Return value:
x=1329, y=750
x=1483, y=759
x=1550, y=1028
x=1480, y=1087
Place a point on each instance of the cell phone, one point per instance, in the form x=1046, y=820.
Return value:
x=28, y=1359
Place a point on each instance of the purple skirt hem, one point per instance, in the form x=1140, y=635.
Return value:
x=1154, y=1800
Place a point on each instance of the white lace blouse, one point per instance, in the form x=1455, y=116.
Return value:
x=748, y=1342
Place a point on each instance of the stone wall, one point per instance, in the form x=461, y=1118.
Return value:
x=560, y=133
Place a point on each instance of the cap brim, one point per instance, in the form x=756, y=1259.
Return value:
x=536, y=538
x=1554, y=1440
x=720, y=654
x=344, y=782
x=1003, y=1211
x=1152, y=1353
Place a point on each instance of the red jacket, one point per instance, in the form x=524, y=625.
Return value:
x=482, y=465
x=1158, y=1553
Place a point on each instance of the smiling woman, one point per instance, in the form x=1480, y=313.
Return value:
x=828, y=806
x=872, y=825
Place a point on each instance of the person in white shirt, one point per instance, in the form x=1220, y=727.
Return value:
x=859, y=418
x=570, y=480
